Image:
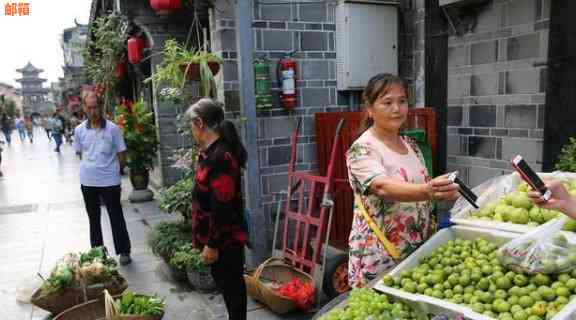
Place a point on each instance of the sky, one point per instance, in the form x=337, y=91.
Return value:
x=36, y=38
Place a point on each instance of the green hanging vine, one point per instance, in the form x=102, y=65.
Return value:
x=102, y=53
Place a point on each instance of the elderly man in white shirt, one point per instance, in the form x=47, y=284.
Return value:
x=99, y=143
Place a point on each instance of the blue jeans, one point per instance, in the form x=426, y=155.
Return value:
x=22, y=133
x=8, y=135
x=58, y=139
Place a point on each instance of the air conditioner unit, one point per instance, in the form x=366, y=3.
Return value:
x=366, y=41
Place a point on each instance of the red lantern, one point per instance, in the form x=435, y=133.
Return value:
x=135, y=50
x=165, y=7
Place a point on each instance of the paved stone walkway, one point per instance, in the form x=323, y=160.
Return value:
x=42, y=218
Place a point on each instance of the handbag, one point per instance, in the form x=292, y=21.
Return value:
x=389, y=246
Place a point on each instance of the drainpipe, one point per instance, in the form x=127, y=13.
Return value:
x=244, y=45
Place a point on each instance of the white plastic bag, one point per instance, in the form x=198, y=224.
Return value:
x=543, y=250
x=494, y=189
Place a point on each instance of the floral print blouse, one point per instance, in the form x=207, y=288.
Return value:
x=217, y=206
x=406, y=224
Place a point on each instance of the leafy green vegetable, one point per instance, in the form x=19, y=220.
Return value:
x=61, y=277
x=136, y=304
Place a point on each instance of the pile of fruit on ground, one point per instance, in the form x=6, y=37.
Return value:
x=517, y=208
x=368, y=304
x=469, y=273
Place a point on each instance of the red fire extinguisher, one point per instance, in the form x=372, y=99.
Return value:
x=286, y=74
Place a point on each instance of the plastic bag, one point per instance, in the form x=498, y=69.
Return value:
x=494, y=189
x=543, y=250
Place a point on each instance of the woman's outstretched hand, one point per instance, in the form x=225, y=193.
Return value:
x=443, y=189
x=560, y=200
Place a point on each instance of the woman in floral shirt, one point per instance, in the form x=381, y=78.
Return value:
x=217, y=209
x=388, y=172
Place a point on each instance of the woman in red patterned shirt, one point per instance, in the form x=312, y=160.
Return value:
x=217, y=215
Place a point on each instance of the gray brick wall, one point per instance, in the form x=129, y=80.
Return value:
x=496, y=89
x=308, y=29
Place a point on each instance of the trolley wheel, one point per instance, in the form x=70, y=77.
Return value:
x=336, y=276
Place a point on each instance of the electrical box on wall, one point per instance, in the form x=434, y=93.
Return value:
x=366, y=41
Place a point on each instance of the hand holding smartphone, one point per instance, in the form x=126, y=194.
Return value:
x=528, y=175
x=464, y=190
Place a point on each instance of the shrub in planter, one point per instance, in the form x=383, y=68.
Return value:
x=190, y=260
x=567, y=158
x=178, y=198
x=166, y=237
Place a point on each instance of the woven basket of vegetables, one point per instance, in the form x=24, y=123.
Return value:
x=128, y=306
x=79, y=278
x=131, y=306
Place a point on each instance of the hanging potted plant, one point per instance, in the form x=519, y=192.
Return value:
x=166, y=7
x=181, y=64
x=139, y=132
x=102, y=55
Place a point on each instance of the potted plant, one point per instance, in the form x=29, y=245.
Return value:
x=139, y=131
x=165, y=239
x=102, y=55
x=181, y=64
x=190, y=260
x=567, y=158
x=178, y=197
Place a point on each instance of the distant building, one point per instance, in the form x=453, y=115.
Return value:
x=9, y=92
x=73, y=41
x=34, y=95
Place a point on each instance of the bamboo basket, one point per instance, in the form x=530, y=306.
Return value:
x=273, y=271
x=69, y=297
x=96, y=310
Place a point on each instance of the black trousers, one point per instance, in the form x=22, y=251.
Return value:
x=228, y=273
x=111, y=198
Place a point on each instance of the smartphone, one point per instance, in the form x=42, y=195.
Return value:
x=528, y=175
x=464, y=190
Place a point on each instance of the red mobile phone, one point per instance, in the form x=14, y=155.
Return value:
x=528, y=175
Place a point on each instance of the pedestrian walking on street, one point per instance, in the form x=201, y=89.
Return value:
x=29, y=124
x=218, y=222
x=47, y=125
x=7, y=125
x=20, y=126
x=58, y=128
x=99, y=143
x=391, y=184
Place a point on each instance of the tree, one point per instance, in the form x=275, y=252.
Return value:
x=9, y=106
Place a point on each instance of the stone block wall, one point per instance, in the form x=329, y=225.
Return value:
x=309, y=30
x=496, y=89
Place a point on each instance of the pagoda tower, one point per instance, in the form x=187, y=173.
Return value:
x=34, y=95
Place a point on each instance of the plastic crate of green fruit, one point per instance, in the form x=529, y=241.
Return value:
x=457, y=272
x=504, y=205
